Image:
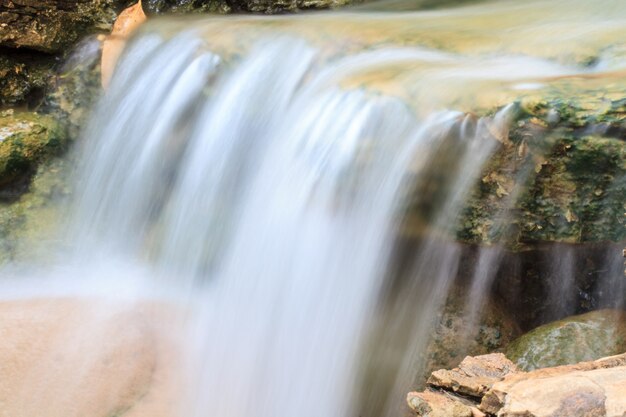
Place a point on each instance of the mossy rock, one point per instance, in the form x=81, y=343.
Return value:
x=575, y=339
x=560, y=176
x=26, y=138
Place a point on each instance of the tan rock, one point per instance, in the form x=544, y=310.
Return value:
x=434, y=404
x=588, y=389
x=125, y=24
x=475, y=375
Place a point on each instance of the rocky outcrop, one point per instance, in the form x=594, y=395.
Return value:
x=596, y=388
x=52, y=26
x=574, y=339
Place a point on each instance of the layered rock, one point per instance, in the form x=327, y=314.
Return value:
x=494, y=387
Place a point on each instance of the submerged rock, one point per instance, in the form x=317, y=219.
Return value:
x=25, y=140
x=579, y=338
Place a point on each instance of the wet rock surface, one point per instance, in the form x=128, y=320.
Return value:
x=596, y=388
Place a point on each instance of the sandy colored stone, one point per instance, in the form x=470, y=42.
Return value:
x=434, y=404
x=87, y=357
x=588, y=389
x=129, y=20
x=475, y=375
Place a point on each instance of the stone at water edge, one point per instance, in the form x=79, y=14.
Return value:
x=574, y=339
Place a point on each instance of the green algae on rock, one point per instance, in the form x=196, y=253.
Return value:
x=27, y=138
x=560, y=177
x=574, y=339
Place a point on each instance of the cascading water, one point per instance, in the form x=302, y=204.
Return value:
x=264, y=187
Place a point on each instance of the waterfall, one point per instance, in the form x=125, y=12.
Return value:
x=262, y=191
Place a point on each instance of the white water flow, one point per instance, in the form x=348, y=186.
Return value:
x=259, y=189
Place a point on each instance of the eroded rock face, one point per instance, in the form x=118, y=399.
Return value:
x=575, y=339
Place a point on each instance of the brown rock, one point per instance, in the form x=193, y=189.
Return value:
x=434, y=404
x=588, y=389
x=475, y=375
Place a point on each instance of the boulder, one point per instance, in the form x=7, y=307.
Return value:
x=574, y=339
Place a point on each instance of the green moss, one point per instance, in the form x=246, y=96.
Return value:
x=561, y=177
